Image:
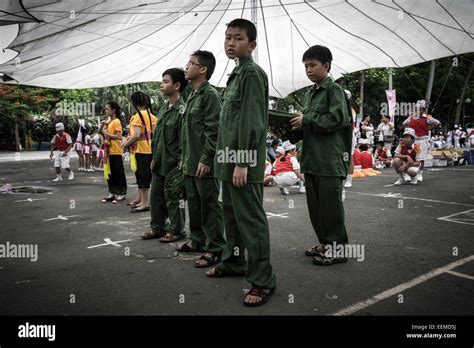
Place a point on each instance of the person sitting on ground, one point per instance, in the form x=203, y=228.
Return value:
x=382, y=155
x=405, y=158
x=366, y=159
x=287, y=170
x=268, y=178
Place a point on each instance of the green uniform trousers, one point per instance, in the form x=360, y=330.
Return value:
x=326, y=211
x=246, y=227
x=205, y=214
x=162, y=207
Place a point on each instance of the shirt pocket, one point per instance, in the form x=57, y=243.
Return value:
x=231, y=106
x=195, y=119
x=170, y=132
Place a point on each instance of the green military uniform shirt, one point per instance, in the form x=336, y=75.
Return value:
x=166, y=143
x=327, y=131
x=201, y=122
x=243, y=123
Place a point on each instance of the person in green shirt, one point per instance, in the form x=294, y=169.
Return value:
x=327, y=140
x=166, y=151
x=201, y=122
x=240, y=163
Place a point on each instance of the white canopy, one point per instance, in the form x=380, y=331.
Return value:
x=96, y=43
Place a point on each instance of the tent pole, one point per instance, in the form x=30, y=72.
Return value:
x=362, y=95
x=255, y=22
x=430, y=83
x=463, y=92
x=390, y=79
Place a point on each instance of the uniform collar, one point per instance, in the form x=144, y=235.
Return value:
x=242, y=63
x=176, y=105
x=201, y=88
x=326, y=83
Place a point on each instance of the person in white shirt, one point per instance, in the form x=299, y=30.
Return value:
x=470, y=137
x=87, y=150
x=457, y=136
x=449, y=139
x=385, y=131
x=287, y=170
x=95, y=146
x=79, y=144
x=367, y=130
x=462, y=138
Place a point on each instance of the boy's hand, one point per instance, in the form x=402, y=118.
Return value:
x=50, y=155
x=297, y=122
x=239, y=179
x=180, y=165
x=152, y=164
x=202, y=170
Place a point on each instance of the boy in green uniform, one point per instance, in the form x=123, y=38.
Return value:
x=166, y=146
x=327, y=141
x=201, y=122
x=240, y=164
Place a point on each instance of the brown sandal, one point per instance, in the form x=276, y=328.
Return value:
x=151, y=235
x=170, y=238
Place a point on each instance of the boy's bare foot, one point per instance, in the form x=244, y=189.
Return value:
x=257, y=296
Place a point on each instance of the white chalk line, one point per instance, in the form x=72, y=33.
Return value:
x=462, y=275
x=397, y=196
x=402, y=287
x=448, y=218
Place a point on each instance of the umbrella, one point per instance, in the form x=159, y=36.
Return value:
x=95, y=43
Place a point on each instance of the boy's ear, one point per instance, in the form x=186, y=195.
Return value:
x=253, y=45
x=177, y=85
x=326, y=65
x=205, y=71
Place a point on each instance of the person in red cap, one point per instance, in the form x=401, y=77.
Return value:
x=60, y=146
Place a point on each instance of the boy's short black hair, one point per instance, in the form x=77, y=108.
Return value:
x=363, y=147
x=206, y=59
x=177, y=75
x=318, y=52
x=381, y=143
x=244, y=24
x=409, y=135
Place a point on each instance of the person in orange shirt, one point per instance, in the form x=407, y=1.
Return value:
x=112, y=132
x=142, y=125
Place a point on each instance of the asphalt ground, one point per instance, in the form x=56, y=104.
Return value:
x=418, y=252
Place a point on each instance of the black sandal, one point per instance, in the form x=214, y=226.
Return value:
x=210, y=261
x=187, y=248
x=220, y=273
x=322, y=260
x=264, y=294
x=315, y=250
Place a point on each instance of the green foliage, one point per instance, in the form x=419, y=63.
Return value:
x=35, y=108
